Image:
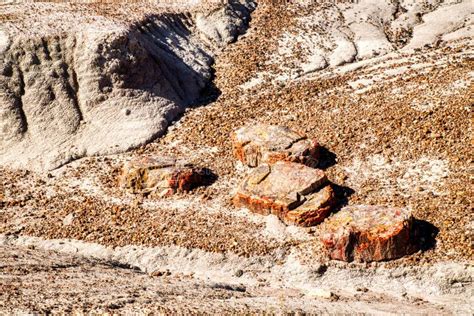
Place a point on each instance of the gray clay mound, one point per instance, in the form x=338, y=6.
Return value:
x=82, y=82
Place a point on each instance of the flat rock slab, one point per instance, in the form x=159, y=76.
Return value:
x=297, y=194
x=264, y=143
x=162, y=175
x=369, y=233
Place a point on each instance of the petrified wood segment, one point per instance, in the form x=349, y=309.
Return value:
x=264, y=143
x=369, y=233
x=288, y=190
x=162, y=175
x=314, y=210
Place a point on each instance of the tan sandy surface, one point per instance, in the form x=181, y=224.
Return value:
x=397, y=131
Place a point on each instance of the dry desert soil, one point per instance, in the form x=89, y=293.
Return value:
x=385, y=87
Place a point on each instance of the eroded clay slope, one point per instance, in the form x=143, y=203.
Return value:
x=326, y=35
x=109, y=83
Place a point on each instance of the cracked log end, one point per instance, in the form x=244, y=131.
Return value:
x=369, y=233
x=314, y=210
x=162, y=175
x=264, y=143
x=297, y=194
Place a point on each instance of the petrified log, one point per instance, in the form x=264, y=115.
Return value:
x=162, y=175
x=264, y=143
x=314, y=210
x=369, y=233
x=297, y=194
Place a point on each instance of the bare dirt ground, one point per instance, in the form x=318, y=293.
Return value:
x=70, y=284
x=396, y=124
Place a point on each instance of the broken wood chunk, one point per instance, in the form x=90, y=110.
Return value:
x=263, y=143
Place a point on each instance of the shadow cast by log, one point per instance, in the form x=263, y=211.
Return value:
x=424, y=234
x=326, y=158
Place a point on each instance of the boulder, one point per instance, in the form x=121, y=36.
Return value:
x=297, y=194
x=369, y=233
x=162, y=175
x=263, y=143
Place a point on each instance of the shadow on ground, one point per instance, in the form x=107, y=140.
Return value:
x=424, y=234
x=342, y=196
x=326, y=158
x=208, y=176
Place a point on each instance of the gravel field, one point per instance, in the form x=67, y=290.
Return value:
x=396, y=130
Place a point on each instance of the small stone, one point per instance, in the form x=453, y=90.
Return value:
x=157, y=273
x=162, y=175
x=239, y=273
x=264, y=143
x=321, y=269
x=295, y=193
x=68, y=219
x=369, y=233
x=321, y=293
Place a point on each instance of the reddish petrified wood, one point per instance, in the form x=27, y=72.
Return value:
x=297, y=194
x=314, y=210
x=162, y=175
x=262, y=143
x=369, y=233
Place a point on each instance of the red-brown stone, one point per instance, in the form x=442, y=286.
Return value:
x=263, y=143
x=368, y=233
x=297, y=194
x=161, y=175
x=314, y=210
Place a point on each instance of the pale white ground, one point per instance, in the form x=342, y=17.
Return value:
x=425, y=173
x=444, y=288
x=351, y=34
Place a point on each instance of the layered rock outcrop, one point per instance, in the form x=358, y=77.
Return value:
x=89, y=82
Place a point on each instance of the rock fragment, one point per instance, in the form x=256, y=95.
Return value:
x=263, y=143
x=369, y=233
x=320, y=293
x=162, y=175
x=297, y=194
x=314, y=210
x=68, y=219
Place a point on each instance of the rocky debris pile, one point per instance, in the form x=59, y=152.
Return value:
x=263, y=143
x=161, y=175
x=297, y=194
x=369, y=233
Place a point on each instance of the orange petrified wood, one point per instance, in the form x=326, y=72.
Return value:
x=262, y=143
x=369, y=233
x=297, y=194
x=162, y=175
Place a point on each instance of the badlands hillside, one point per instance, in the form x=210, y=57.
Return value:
x=236, y=157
